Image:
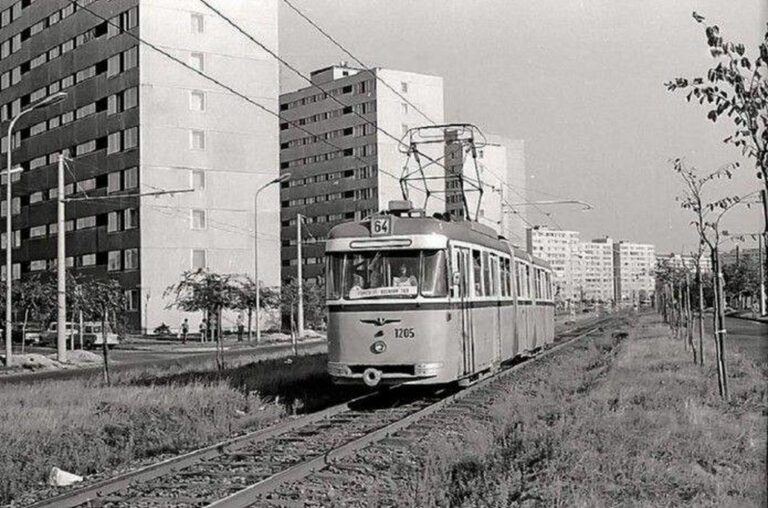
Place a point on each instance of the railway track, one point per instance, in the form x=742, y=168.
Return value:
x=237, y=472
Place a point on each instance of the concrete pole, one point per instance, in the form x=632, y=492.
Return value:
x=8, y=249
x=256, y=264
x=61, y=288
x=300, y=280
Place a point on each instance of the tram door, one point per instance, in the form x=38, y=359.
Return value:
x=462, y=264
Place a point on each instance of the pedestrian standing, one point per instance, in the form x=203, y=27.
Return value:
x=240, y=327
x=203, y=330
x=184, y=330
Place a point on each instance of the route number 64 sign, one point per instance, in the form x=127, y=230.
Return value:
x=381, y=226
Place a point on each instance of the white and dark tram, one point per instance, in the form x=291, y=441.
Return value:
x=422, y=300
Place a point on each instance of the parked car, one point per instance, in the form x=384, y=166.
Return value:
x=32, y=333
x=49, y=337
x=92, y=334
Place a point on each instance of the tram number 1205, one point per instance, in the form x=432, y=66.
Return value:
x=404, y=333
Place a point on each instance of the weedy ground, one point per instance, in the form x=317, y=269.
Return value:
x=87, y=428
x=633, y=423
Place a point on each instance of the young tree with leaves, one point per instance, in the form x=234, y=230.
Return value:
x=104, y=298
x=246, y=299
x=707, y=219
x=736, y=87
x=211, y=292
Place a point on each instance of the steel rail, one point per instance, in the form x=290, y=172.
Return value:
x=116, y=483
x=250, y=495
x=102, y=488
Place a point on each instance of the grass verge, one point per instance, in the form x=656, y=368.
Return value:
x=90, y=429
x=637, y=425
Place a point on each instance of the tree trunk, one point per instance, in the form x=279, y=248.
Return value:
x=689, y=317
x=219, y=345
x=700, y=282
x=104, y=348
x=250, y=328
x=24, y=330
x=721, y=331
x=717, y=324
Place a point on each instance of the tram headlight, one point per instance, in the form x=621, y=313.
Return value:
x=427, y=369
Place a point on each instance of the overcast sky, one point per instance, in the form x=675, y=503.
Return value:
x=580, y=81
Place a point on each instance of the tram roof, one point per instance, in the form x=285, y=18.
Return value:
x=465, y=231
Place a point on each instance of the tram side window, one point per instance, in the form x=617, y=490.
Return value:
x=527, y=282
x=435, y=270
x=505, y=277
x=537, y=283
x=519, y=279
x=494, y=275
x=477, y=268
x=549, y=286
x=487, y=279
x=334, y=271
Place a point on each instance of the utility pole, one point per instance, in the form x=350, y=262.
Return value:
x=300, y=281
x=503, y=220
x=61, y=287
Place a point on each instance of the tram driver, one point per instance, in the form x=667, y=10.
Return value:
x=403, y=279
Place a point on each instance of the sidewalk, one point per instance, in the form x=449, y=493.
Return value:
x=750, y=316
x=194, y=345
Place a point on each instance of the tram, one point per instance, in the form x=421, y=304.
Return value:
x=423, y=300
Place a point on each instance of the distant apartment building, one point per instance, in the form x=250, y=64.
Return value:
x=562, y=250
x=687, y=261
x=135, y=122
x=598, y=274
x=500, y=165
x=634, y=271
x=360, y=173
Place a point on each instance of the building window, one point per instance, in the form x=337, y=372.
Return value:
x=130, y=218
x=197, y=61
x=88, y=260
x=36, y=197
x=113, y=222
x=132, y=300
x=198, y=259
x=198, y=23
x=404, y=108
x=114, y=260
x=197, y=140
x=198, y=219
x=113, y=182
x=405, y=128
x=198, y=179
x=404, y=87
x=86, y=222
x=131, y=178
x=197, y=100
x=37, y=231
x=130, y=98
x=130, y=58
x=131, y=259
x=130, y=138
x=37, y=265
x=113, y=142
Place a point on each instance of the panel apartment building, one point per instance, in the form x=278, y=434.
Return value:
x=136, y=122
x=501, y=167
x=634, y=266
x=602, y=270
x=330, y=185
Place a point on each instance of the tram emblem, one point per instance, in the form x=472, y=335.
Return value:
x=379, y=321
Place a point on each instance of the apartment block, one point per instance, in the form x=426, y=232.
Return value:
x=634, y=271
x=135, y=122
x=598, y=275
x=562, y=250
x=359, y=174
x=500, y=166
x=687, y=261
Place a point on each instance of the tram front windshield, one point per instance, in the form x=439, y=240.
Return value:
x=387, y=274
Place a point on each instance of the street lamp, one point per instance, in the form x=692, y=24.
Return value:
x=282, y=178
x=47, y=101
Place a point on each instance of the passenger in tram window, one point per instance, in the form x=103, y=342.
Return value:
x=404, y=279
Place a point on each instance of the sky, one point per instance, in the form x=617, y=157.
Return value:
x=581, y=82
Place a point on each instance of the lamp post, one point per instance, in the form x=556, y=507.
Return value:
x=47, y=101
x=282, y=178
